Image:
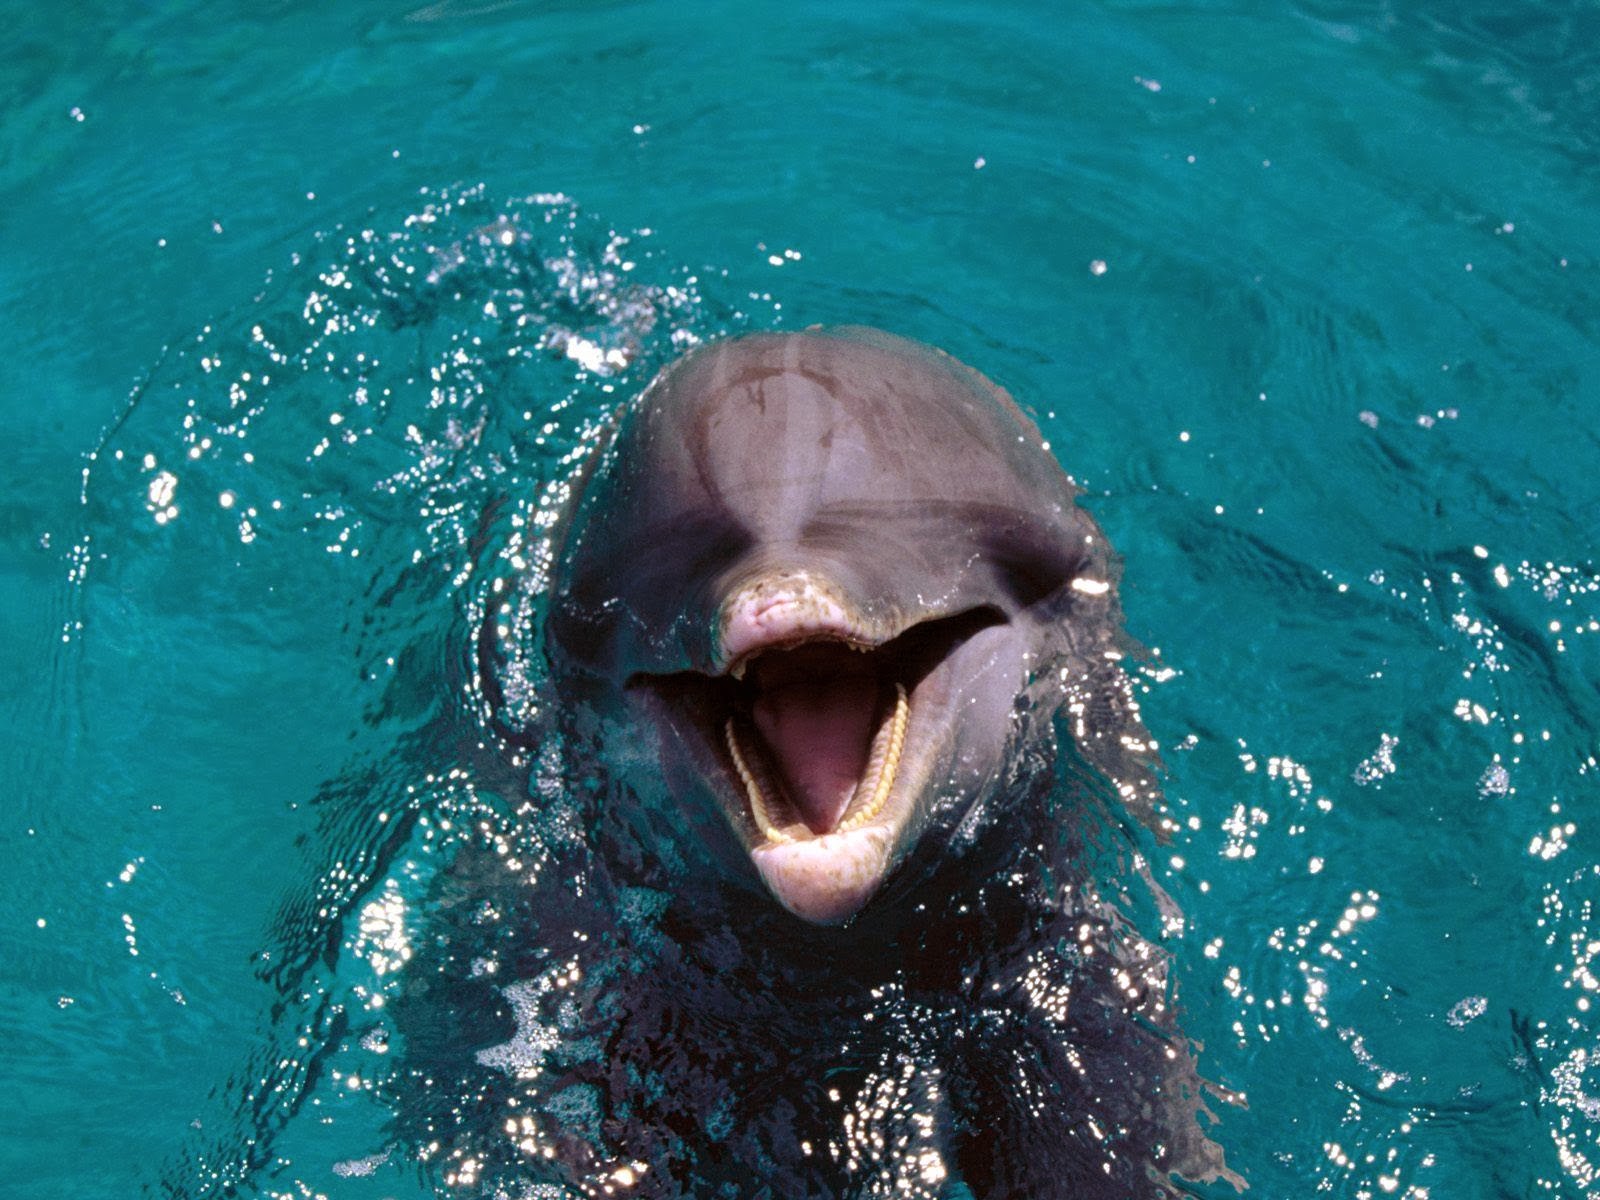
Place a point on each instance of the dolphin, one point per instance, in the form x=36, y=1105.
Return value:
x=830, y=579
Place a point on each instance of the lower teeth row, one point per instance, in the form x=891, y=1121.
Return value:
x=882, y=765
x=753, y=790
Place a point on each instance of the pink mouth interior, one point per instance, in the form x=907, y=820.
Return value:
x=816, y=708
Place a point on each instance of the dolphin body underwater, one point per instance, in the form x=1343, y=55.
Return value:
x=851, y=755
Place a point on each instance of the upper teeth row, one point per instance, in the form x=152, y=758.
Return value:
x=737, y=669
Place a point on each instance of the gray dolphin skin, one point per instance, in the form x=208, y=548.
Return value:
x=828, y=576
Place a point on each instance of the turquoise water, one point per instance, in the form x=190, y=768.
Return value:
x=302, y=307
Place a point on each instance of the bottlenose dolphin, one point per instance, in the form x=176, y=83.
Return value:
x=822, y=619
x=830, y=575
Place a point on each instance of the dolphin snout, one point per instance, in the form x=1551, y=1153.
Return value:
x=792, y=607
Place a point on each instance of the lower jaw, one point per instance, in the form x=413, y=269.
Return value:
x=826, y=879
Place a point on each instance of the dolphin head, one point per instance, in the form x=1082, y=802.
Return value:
x=820, y=570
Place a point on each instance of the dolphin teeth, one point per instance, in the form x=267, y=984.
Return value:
x=871, y=794
x=882, y=765
x=753, y=789
x=739, y=666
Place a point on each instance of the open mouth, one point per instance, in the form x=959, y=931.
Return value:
x=811, y=730
x=818, y=739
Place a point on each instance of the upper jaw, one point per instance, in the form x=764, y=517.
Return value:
x=782, y=611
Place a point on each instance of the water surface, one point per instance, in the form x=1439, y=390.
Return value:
x=1305, y=301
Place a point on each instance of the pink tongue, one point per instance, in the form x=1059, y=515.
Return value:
x=820, y=734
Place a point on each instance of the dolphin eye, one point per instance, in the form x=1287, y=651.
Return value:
x=1034, y=564
x=608, y=617
x=688, y=550
x=699, y=549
